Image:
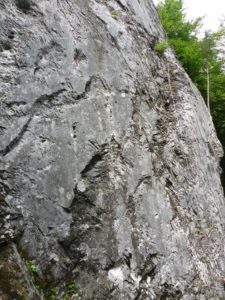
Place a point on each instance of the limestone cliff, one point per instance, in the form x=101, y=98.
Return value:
x=109, y=162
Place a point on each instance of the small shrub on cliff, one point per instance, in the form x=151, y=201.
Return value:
x=161, y=47
x=31, y=267
x=114, y=13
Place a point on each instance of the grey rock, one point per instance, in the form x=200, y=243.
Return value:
x=109, y=161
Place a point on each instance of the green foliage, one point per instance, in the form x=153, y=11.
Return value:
x=70, y=291
x=114, y=13
x=31, y=267
x=52, y=294
x=199, y=57
x=161, y=47
x=182, y=35
x=172, y=16
x=66, y=292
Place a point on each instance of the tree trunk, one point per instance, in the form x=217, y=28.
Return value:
x=208, y=87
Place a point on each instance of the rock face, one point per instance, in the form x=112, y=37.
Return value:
x=109, y=162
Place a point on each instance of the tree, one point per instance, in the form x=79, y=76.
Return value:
x=201, y=58
x=182, y=35
x=196, y=56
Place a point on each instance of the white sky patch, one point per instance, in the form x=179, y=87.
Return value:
x=213, y=12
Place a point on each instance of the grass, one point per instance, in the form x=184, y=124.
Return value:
x=161, y=47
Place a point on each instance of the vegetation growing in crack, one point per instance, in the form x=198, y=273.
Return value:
x=69, y=291
x=49, y=290
x=161, y=47
x=32, y=268
x=114, y=13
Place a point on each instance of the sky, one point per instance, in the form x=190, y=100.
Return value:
x=213, y=10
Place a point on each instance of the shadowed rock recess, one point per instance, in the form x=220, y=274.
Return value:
x=109, y=162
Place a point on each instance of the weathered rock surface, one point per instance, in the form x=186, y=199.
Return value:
x=109, y=166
